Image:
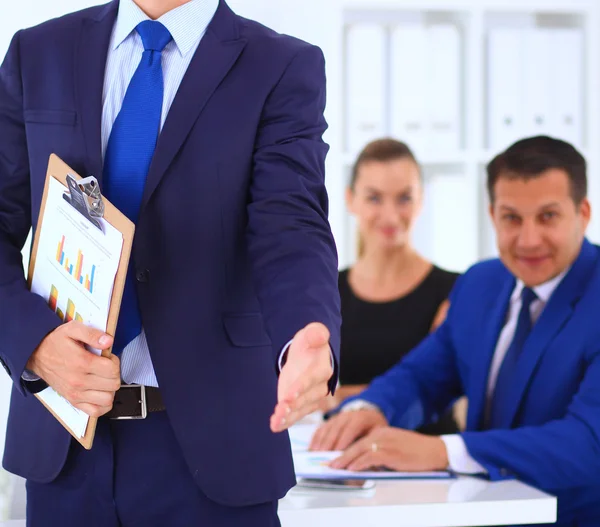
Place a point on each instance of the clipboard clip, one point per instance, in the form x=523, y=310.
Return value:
x=84, y=196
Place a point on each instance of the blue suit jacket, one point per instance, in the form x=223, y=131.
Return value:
x=233, y=248
x=551, y=435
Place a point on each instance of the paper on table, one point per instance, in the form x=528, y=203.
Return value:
x=314, y=465
x=301, y=435
x=75, y=270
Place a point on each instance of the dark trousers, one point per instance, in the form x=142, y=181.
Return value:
x=134, y=476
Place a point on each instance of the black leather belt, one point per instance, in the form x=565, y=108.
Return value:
x=134, y=401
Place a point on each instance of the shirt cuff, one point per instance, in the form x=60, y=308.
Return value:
x=359, y=404
x=283, y=354
x=459, y=459
x=29, y=376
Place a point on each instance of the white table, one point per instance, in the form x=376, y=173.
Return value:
x=462, y=502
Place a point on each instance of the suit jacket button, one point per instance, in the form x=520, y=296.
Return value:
x=142, y=275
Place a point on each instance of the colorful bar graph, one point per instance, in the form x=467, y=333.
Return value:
x=52, y=301
x=70, y=310
x=75, y=270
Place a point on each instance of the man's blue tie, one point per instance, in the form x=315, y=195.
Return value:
x=506, y=375
x=129, y=153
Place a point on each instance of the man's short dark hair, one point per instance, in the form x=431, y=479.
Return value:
x=530, y=157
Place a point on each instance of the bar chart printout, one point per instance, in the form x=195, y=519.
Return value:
x=77, y=272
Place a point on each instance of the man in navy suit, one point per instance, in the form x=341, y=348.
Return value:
x=521, y=341
x=206, y=130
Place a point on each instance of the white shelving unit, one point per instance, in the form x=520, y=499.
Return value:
x=455, y=230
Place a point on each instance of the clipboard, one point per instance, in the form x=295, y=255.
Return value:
x=84, y=195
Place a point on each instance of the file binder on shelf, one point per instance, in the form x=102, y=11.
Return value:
x=366, y=85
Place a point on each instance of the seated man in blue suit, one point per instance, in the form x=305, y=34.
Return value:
x=521, y=341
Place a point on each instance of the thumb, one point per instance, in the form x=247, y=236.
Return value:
x=315, y=335
x=88, y=335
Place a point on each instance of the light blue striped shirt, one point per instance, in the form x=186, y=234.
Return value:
x=187, y=25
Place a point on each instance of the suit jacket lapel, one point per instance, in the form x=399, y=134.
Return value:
x=217, y=52
x=553, y=318
x=482, y=357
x=90, y=65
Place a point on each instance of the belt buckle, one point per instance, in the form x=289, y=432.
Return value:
x=142, y=401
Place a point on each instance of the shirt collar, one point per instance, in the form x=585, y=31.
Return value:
x=186, y=23
x=543, y=291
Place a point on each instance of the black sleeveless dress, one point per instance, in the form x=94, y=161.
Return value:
x=376, y=335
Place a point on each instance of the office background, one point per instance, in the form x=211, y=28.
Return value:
x=456, y=80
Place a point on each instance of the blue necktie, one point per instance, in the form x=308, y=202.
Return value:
x=506, y=375
x=129, y=153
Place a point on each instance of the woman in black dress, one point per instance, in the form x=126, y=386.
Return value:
x=392, y=297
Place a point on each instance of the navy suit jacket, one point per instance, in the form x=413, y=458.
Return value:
x=233, y=250
x=551, y=419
